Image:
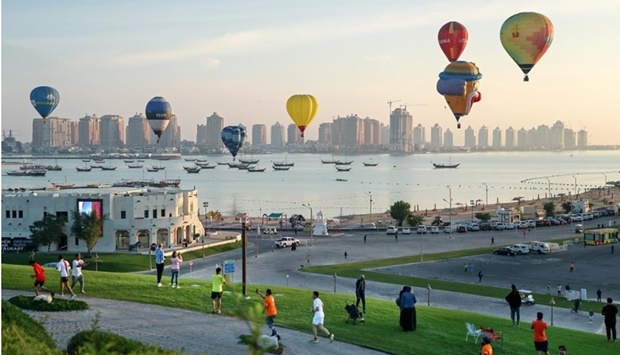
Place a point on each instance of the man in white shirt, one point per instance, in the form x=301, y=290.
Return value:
x=63, y=267
x=76, y=274
x=319, y=318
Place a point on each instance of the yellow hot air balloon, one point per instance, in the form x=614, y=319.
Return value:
x=302, y=109
x=526, y=36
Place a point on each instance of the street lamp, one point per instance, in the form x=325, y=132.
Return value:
x=311, y=224
x=471, y=202
x=486, y=187
x=549, y=186
x=574, y=177
x=370, y=215
x=244, y=255
x=450, y=202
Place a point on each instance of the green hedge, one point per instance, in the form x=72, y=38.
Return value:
x=57, y=305
x=100, y=342
x=22, y=334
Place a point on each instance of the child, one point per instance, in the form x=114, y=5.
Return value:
x=590, y=317
x=176, y=267
x=562, y=350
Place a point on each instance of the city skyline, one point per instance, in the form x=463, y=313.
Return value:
x=244, y=61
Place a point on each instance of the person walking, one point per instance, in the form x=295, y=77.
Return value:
x=319, y=318
x=159, y=262
x=464, y=267
x=548, y=288
x=590, y=316
x=540, y=336
x=470, y=267
x=360, y=294
x=365, y=241
x=63, y=267
x=480, y=276
x=514, y=301
x=39, y=278
x=407, y=301
x=396, y=236
x=308, y=259
x=217, y=287
x=175, y=269
x=345, y=255
x=559, y=290
x=76, y=274
x=610, y=311
x=270, y=309
x=492, y=240
x=599, y=294
x=572, y=266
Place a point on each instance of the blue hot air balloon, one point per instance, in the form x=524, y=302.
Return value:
x=233, y=138
x=158, y=112
x=44, y=99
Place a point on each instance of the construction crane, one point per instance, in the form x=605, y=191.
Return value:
x=405, y=105
x=391, y=102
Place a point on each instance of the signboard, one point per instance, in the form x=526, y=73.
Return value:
x=229, y=266
x=191, y=262
x=17, y=244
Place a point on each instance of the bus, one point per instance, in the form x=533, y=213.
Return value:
x=600, y=236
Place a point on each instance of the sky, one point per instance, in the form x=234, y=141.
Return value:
x=243, y=59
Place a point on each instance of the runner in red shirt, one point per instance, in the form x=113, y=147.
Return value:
x=540, y=337
x=271, y=311
x=39, y=278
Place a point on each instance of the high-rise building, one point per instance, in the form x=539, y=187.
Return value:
x=570, y=141
x=54, y=132
x=201, y=134
x=483, y=137
x=372, y=132
x=401, y=131
x=138, y=132
x=470, y=137
x=419, y=136
x=556, y=136
x=510, y=138
x=348, y=132
x=497, y=138
x=448, y=139
x=325, y=133
x=75, y=133
x=293, y=135
x=215, y=125
x=88, y=127
x=385, y=135
x=436, y=137
x=171, y=137
x=522, y=138
x=277, y=135
x=259, y=135
x=111, y=131
x=582, y=139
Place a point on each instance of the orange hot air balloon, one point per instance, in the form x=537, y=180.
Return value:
x=302, y=109
x=526, y=36
x=452, y=38
x=458, y=84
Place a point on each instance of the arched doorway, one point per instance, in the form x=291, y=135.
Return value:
x=162, y=237
x=179, y=236
x=122, y=240
x=144, y=237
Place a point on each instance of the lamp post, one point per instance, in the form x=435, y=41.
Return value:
x=552, y=303
x=574, y=177
x=472, y=203
x=205, y=205
x=370, y=215
x=549, y=187
x=244, y=256
x=450, y=202
x=486, y=200
x=311, y=224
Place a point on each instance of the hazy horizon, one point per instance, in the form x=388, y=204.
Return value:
x=243, y=60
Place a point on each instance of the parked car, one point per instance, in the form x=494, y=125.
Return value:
x=461, y=229
x=421, y=229
x=269, y=231
x=435, y=230
x=474, y=227
x=505, y=251
x=546, y=222
x=576, y=218
x=406, y=230
x=540, y=247
x=499, y=226
x=531, y=223
x=521, y=249
x=509, y=226
x=447, y=229
x=391, y=230
x=485, y=226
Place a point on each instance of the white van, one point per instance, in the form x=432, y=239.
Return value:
x=540, y=247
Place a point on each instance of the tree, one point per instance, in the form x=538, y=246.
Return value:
x=414, y=220
x=48, y=230
x=549, y=208
x=400, y=210
x=88, y=227
x=483, y=216
x=567, y=207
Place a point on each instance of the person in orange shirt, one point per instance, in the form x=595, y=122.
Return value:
x=271, y=311
x=39, y=278
x=540, y=337
x=487, y=349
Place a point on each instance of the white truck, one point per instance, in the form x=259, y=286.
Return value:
x=287, y=242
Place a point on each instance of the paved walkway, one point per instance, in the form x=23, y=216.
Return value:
x=175, y=328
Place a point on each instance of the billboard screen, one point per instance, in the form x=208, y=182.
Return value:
x=91, y=206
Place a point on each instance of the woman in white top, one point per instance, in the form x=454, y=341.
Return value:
x=176, y=261
x=319, y=318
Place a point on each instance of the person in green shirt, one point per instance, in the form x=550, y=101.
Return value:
x=217, y=281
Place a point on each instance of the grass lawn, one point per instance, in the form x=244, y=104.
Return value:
x=113, y=262
x=440, y=331
x=354, y=269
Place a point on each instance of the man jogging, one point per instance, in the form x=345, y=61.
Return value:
x=39, y=278
x=360, y=294
x=63, y=267
x=76, y=274
x=271, y=311
x=319, y=318
x=610, y=311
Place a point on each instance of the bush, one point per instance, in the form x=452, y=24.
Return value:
x=57, y=305
x=99, y=342
x=22, y=334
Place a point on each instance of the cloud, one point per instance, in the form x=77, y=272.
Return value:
x=209, y=63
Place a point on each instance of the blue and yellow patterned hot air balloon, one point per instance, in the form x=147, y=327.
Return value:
x=458, y=84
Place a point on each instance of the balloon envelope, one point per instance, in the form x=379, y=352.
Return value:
x=458, y=84
x=526, y=37
x=158, y=112
x=233, y=138
x=44, y=99
x=302, y=109
x=452, y=38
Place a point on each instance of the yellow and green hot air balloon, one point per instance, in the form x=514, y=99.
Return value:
x=526, y=36
x=302, y=109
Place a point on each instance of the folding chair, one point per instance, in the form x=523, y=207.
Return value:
x=473, y=332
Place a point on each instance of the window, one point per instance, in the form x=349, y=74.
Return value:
x=155, y=213
x=14, y=213
x=7, y=213
x=77, y=241
x=146, y=213
x=21, y=214
x=163, y=212
x=123, y=214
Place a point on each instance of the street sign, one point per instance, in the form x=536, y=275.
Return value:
x=229, y=266
x=191, y=262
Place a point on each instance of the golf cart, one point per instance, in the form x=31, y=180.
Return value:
x=526, y=297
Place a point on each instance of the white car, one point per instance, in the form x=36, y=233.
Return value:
x=287, y=242
x=576, y=218
x=509, y=226
x=421, y=229
x=406, y=230
x=269, y=231
x=474, y=227
x=521, y=249
x=390, y=230
x=447, y=229
x=435, y=230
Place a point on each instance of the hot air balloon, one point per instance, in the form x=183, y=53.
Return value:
x=233, y=138
x=526, y=36
x=302, y=109
x=44, y=99
x=458, y=83
x=158, y=113
x=452, y=39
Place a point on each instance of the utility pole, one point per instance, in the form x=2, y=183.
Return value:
x=370, y=216
x=486, y=200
